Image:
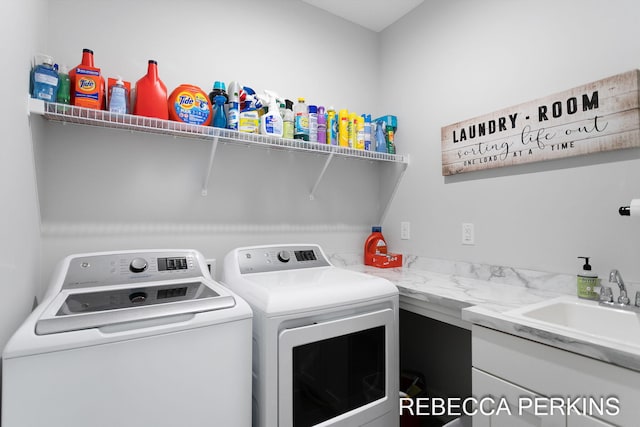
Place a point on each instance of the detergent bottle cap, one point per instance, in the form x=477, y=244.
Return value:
x=376, y=229
x=219, y=85
x=313, y=109
x=289, y=104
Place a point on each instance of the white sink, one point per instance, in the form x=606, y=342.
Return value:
x=584, y=318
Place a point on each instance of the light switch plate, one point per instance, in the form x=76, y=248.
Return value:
x=405, y=230
x=468, y=234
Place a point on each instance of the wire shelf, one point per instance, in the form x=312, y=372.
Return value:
x=86, y=116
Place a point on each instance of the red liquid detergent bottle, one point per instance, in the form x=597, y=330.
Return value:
x=87, y=64
x=375, y=251
x=151, y=95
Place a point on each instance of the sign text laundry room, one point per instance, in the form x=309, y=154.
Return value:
x=599, y=116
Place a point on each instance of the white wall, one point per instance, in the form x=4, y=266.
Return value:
x=453, y=60
x=444, y=62
x=19, y=220
x=104, y=190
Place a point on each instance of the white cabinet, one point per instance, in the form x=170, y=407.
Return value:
x=511, y=413
x=572, y=390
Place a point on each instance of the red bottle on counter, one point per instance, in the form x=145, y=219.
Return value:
x=151, y=95
x=375, y=251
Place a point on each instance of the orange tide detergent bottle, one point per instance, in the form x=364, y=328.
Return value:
x=375, y=251
x=151, y=94
x=87, y=84
x=190, y=104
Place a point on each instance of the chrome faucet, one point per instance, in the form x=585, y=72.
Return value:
x=615, y=277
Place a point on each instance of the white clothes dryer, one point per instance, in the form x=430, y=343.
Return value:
x=325, y=339
x=131, y=338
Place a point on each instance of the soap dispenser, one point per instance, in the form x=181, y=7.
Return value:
x=587, y=281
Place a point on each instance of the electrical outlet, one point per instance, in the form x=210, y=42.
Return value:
x=405, y=230
x=468, y=237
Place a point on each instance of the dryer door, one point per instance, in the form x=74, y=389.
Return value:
x=338, y=371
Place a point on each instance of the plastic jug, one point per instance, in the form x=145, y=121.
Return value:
x=44, y=80
x=151, y=94
x=375, y=243
x=87, y=63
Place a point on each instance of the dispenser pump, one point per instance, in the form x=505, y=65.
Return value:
x=586, y=266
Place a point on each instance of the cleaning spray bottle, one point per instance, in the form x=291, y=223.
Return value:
x=381, y=142
x=219, y=116
x=271, y=123
x=249, y=118
x=288, y=123
x=233, y=106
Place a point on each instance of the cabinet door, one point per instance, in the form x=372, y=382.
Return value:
x=508, y=410
x=574, y=420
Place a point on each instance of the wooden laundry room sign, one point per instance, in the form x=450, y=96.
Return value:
x=599, y=116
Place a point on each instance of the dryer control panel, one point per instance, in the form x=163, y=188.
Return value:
x=133, y=267
x=278, y=258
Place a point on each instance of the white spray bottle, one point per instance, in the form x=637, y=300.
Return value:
x=271, y=123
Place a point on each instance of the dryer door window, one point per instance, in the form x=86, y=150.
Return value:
x=335, y=370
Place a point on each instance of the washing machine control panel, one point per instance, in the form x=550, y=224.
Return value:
x=134, y=267
x=278, y=258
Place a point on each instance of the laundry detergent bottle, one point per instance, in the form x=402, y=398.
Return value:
x=376, y=253
x=151, y=94
x=87, y=66
x=374, y=245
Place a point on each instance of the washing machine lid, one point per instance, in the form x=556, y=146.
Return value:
x=99, y=306
x=293, y=291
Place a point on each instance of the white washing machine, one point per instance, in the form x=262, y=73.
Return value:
x=131, y=339
x=325, y=339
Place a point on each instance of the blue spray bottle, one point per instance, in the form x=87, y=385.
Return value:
x=219, y=116
x=381, y=141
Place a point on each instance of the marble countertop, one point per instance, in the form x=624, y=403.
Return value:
x=486, y=302
x=458, y=292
